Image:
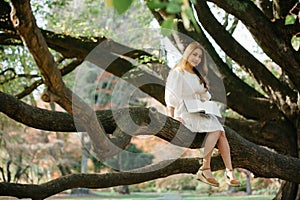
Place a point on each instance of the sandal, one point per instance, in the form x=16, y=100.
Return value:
x=210, y=181
x=231, y=182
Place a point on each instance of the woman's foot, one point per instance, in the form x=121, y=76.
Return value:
x=231, y=179
x=205, y=175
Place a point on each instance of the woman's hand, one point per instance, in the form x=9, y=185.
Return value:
x=171, y=111
x=180, y=119
x=171, y=114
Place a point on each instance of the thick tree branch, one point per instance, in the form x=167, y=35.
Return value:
x=63, y=122
x=123, y=53
x=107, y=55
x=147, y=122
x=25, y=24
x=264, y=31
x=266, y=7
x=71, y=47
x=55, y=186
x=232, y=83
x=66, y=45
x=238, y=92
x=245, y=154
x=267, y=133
x=234, y=86
x=281, y=94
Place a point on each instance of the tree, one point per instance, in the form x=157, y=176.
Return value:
x=270, y=116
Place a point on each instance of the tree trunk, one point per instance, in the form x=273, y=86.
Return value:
x=287, y=191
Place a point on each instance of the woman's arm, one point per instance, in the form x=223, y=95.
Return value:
x=171, y=111
x=173, y=93
x=173, y=89
x=171, y=114
x=206, y=96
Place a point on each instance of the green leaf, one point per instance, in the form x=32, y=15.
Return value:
x=290, y=19
x=295, y=42
x=168, y=25
x=157, y=4
x=173, y=7
x=122, y=5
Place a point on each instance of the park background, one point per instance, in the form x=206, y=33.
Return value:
x=34, y=156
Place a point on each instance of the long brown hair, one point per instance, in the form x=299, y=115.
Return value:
x=203, y=67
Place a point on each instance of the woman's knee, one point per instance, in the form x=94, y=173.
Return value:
x=215, y=134
x=222, y=134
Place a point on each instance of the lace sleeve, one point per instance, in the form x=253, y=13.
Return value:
x=173, y=90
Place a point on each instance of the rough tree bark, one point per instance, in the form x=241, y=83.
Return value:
x=153, y=123
x=25, y=24
x=274, y=165
x=270, y=33
x=278, y=114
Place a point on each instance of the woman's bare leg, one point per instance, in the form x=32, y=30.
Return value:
x=224, y=150
x=209, y=144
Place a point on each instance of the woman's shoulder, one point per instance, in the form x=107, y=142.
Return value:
x=176, y=70
x=175, y=73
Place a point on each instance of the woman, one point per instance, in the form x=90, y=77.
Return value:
x=185, y=82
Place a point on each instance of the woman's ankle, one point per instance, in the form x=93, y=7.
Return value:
x=229, y=169
x=206, y=162
x=230, y=173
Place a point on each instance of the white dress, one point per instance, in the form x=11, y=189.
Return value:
x=181, y=85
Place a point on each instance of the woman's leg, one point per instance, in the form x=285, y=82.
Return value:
x=224, y=150
x=209, y=144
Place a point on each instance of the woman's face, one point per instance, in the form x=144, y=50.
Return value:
x=195, y=57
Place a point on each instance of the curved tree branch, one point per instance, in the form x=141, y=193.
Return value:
x=232, y=83
x=237, y=90
x=266, y=7
x=123, y=50
x=265, y=133
x=63, y=122
x=234, y=86
x=25, y=24
x=265, y=31
x=64, y=71
x=280, y=94
x=245, y=154
x=10, y=74
x=148, y=122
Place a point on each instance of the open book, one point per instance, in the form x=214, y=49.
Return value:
x=207, y=107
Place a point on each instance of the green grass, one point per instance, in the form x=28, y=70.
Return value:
x=167, y=196
x=231, y=197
